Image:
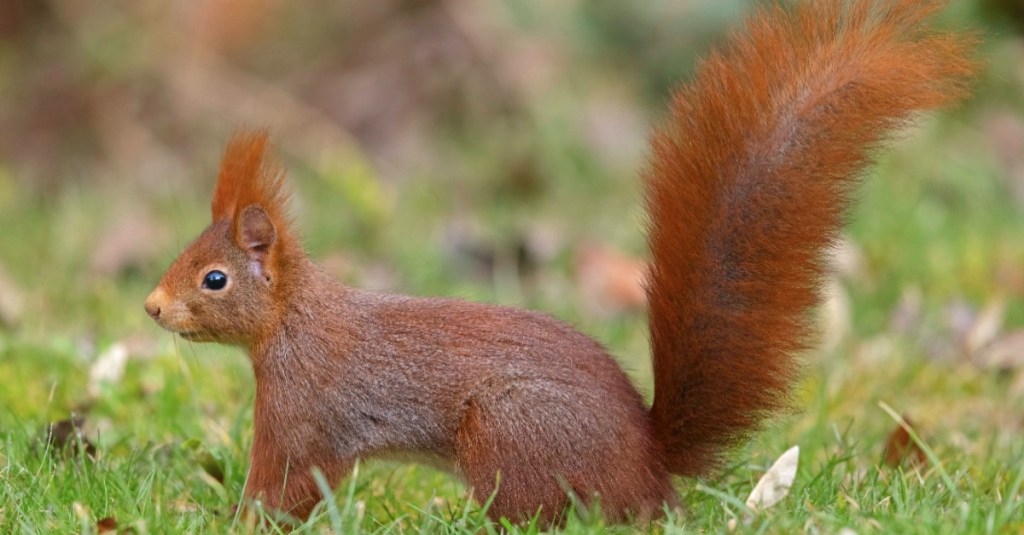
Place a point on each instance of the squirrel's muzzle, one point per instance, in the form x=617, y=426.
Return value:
x=155, y=302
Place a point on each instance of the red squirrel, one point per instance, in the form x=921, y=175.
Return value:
x=745, y=194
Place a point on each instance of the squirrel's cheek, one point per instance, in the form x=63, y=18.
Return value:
x=176, y=323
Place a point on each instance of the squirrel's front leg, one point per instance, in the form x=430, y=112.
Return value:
x=284, y=483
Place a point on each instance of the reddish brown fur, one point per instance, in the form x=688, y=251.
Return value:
x=249, y=175
x=746, y=191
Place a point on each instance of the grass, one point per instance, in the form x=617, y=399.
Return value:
x=156, y=448
x=172, y=435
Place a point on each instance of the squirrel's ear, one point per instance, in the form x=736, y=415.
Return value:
x=255, y=232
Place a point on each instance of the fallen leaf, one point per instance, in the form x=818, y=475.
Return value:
x=108, y=368
x=775, y=483
x=66, y=436
x=106, y=525
x=900, y=447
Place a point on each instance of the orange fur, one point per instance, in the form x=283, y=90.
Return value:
x=745, y=194
x=250, y=175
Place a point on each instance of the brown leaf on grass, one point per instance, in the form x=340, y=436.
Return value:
x=900, y=447
x=106, y=524
x=65, y=436
x=610, y=282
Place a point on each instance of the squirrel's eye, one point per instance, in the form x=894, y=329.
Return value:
x=215, y=280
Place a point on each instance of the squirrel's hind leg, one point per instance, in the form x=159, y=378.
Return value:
x=532, y=456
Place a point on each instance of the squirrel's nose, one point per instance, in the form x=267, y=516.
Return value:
x=153, y=303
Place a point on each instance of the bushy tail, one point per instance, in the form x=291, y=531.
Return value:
x=747, y=190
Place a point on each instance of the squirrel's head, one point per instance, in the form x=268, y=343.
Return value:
x=231, y=283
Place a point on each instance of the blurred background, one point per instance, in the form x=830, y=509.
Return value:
x=489, y=151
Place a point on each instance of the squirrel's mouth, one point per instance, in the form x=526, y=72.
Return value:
x=193, y=336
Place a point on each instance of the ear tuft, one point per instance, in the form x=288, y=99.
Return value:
x=250, y=194
x=249, y=175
